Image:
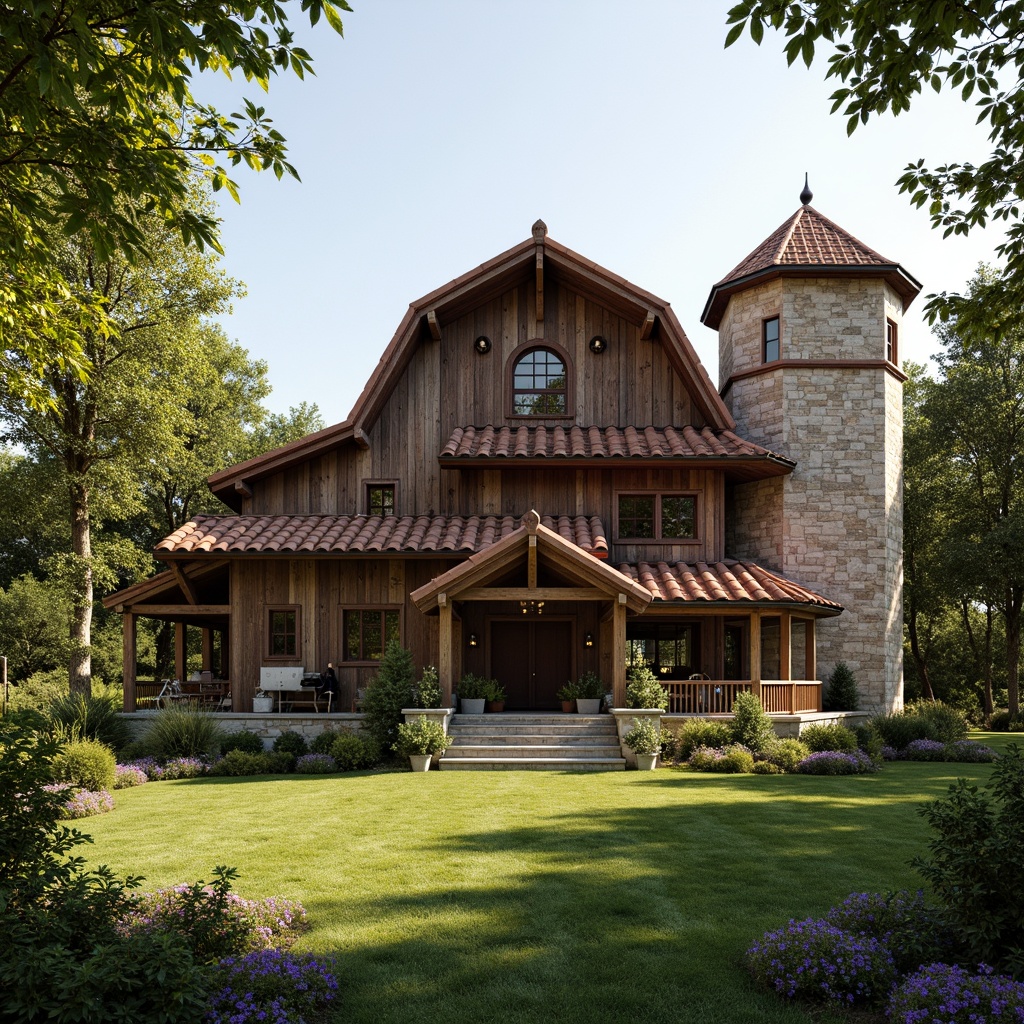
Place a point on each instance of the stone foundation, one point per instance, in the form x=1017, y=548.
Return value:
x=269, y=727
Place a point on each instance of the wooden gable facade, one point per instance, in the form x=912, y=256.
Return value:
x=531, y=485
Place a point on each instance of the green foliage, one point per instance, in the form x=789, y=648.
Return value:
x=786, y=754
x=701, y=732
x=243, y=762
x=643, y=738
x=977, y=862
x=920, y=720
x=841, y=694
x=183, y=731
x=292, y=743
x=590, y=686
x=751, y=726
x=322, y=742
x=474, y=687
x=86, y=763
x=96, y=718
x=569, y=692
x=422, y=736
x=948, y=723
x=870, y=742
x=249, y=742
x=389, y=691
x=767, y=768
x=34, y=620
x=1002, y=721
x=646, y=692
x=427, y=693
x=354, y=753
x=829, y=737
x=495, y=692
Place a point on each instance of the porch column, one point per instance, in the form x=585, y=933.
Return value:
x=207, y=649
x=786, y=656
x=444, y=652
x=619, y=652
x=811, y=657
x=180, y=630
x=225, y=652
x=129, y=668
x=755, y=652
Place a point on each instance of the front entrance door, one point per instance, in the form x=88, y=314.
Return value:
x=532, y=659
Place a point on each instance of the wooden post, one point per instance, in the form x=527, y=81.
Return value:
x=207, y=649
x=786, y=656
x=755, y=652
x=129, y=668
x=619, y=652
x=444, y=651
x=811, y=657
x=180, y=650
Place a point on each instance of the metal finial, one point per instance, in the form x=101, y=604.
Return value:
x=807, y=195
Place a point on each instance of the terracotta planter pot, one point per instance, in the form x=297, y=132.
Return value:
x=495, y=705
x=420, y=762
x=568, y=706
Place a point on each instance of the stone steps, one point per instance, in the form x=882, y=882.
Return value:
x=538, y=742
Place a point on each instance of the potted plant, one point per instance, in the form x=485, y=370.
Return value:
x=495, y=695
x=643, y=739
x=262, y=703
x=589, y=693
x=643, y=689
x=421, y=740
x=473, y=692
x=567, y=695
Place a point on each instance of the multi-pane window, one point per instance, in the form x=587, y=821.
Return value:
x=657, y=516
x=770, y=339
x=668, y=650
x=380, y=499
x=368, y=631
x=892, y=347
x=538, y=385
x=283, y=632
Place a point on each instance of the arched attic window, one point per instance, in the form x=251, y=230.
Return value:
x=540, y=383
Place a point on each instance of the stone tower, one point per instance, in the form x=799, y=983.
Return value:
x=808, y=339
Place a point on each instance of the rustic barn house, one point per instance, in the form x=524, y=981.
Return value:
x=540, y=479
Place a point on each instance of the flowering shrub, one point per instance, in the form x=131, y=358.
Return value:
x=271, y=986
x=924, y=750
x=174, y=768
x=128, y=775
x=731, y=759
x=81, y=803
x=817, y=960
x=890, y=753
x=969, y=751
x=316, y=764
x=834, y=762
x=945, y=994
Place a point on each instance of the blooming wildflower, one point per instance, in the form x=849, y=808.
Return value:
x=949, y=994
x=316, y=764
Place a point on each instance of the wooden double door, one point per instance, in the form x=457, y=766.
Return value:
x=533, y=659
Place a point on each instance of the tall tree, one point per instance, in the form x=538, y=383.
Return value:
x=99, y=127
x=885, y=54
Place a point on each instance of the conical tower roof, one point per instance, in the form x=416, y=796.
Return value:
x=807, y=244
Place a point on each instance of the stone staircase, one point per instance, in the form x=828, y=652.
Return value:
x=540, y=742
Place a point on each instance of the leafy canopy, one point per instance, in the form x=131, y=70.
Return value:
x=885, y=54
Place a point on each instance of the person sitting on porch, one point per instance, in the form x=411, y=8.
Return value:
x=329, y=685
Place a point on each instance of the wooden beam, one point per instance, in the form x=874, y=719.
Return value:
x=129, y=669
x=531, y=563
x=444, y=654
x=184, y=583
x=434, y=325
x=785, y=646
x=180, y=650
x=160, y=610
x=810, y=652
x=207, y=649
x=647, y=327
x=361, y=438
x=755, y=652
x=619, y=653
x=533, y=594
x=539, y=275
x=242, y=488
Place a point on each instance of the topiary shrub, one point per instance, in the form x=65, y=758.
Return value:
x=751, y=726
x=829, y=737
x=787, y=754
x=643, y=690
x=86, y=763
x=76, y=716
x=291, y=743
x=701, y=732
x=353, y=753
x=953, y=995
x=183, y=732
x=248, y=742
x=841, y=693
x=389, y=691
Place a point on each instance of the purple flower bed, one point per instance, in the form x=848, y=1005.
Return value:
x=834, y=762
x=969, y=751
x=945, y=994
x=128, y=775
x=316, y=764
x=890, y=753
x=175, y=768
x=82, y=803
x=924, y=750
x=271, y=986
x=817, y=960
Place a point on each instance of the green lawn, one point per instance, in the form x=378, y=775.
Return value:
x=463, y=898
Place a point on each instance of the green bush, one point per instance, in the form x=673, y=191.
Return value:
x=829, y=737
x=427, y=692
x=183, y=732
x=353, y=753
x=735, y=759
x=701, y=732
x=976, y=862
x=964, y=698
x=90, y=718
x=767, y=768
x=292, y=743
x=249, y=742
x=751, y=726
x=322, y=743
x=422, y=736
x=787, y=754
x=389, y=691
x=900, y=729
x=643, y=690
x=870, y=742
x=643, y=738
x=86, y=763
x=948, y=723
x=590, y=686
x=841, y=693
x=242, y=762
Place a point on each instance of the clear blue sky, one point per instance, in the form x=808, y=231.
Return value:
x=436, y=133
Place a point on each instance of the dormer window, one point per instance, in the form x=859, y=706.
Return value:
x=539, y=384
x=770, y=339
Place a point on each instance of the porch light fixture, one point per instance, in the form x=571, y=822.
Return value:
x=482, y=345
x=472, y=640
x=588, y=639
x=598, y=344
x=531, y=607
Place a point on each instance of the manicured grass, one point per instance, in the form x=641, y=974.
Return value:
x=463, y=898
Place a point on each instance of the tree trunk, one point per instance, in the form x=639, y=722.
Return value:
x=919, y=659
x=80, y=668
x=989, y=702
x=1011, y=613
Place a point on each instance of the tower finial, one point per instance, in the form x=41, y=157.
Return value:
x=807, y=195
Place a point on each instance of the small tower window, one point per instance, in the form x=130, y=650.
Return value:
x=770, y=339
x=892, y=342
x=538, y=385
x=380, y=499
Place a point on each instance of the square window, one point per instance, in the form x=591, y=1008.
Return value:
x=659, y=517
x=678, y=516
x=636, y=515
x=368, y=631
x=380, y=499
x=770, y=339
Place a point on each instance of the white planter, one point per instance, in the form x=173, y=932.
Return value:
x=262, y=705
x=472, y=707
x=420, y=762
x=646, y=762
x=586, y=706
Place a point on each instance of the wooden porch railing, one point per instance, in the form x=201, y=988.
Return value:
x=716, y=696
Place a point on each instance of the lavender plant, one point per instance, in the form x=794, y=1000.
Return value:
x=834, y=762
x=128, y=775
x=924, y=750
x=949, y=994
x=316, y=764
